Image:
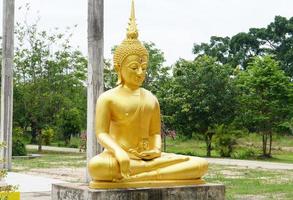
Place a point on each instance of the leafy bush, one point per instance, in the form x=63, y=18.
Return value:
x=244, y=154
x=83, y=138
x=69, y=123
x=75, y=142
x=226, y=140
x=286, y=127
x=18, y=143
x=48, y=135
x=18, y=148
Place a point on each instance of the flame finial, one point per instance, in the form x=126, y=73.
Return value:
x=129, y=46
x=132, y=32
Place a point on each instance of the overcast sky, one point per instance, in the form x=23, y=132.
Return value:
x=173, y=25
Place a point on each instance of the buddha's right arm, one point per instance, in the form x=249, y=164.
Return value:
x=102, y=123
x=103, y=118
x=107, y=142
x=121, y=156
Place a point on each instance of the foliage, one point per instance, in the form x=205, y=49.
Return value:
x=276, y=39
x=110, y=76
x=248, y=153
x=83, y=141
x=69, y=123
x=157, y=73
x=286, y=127
x=75, y=142
x=18, y=142
x=202, y=96
x=49, y=75
x=48, y=135
x=264, y=98
x=226, y=139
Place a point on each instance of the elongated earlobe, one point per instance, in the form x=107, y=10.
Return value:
x=118, y=71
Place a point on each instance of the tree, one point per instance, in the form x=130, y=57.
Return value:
x=276, y=39
x=49, y=75
x=156, y=71
x=218, y=47
x=264, y=98
x=69, y=123
x=201, y=97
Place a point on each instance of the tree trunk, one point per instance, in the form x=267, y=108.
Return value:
x=264, y=144
x=34, y=133
x=208, y=139
x=40, y=139
x=271, y=142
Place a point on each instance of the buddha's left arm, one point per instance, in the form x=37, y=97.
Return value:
x=154, y=150
x=155, y=128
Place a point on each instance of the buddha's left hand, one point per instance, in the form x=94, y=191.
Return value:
x=150, y=154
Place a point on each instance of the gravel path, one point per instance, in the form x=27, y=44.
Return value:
x=220, y=161
x=50, y=148
x=251, y=163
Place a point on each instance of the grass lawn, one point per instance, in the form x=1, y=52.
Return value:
x=241, y=183
x=253, y=184
x=245, y=145
x=50, y=160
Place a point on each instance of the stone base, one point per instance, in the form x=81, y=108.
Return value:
x=82, y=192
x=144, y=184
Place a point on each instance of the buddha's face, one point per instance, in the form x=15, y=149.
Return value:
x=133, y=70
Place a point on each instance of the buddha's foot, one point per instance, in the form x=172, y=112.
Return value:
x=165, y=161
x=152, y=175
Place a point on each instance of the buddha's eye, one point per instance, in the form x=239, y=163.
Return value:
x=133, y=66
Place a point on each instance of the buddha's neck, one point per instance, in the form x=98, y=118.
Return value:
x=131, y=90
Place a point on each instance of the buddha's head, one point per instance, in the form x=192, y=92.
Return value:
x=131, y=56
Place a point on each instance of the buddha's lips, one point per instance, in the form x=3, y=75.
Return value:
x=140, y=78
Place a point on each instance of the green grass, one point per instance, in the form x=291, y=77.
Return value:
x=270, y=184
x=279, y=140
x=252, y=143
x=50, y=160
x=240, y=182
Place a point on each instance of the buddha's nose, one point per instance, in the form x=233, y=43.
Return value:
x=139, y=71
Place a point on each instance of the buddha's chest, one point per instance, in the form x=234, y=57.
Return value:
x=132, y=106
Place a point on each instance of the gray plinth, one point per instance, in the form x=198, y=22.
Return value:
x=82, y=192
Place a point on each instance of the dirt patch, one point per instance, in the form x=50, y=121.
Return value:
x=251, y=197
x=64, y=174
x=260, y=197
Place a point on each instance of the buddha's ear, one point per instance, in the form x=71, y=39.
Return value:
x=118, y=71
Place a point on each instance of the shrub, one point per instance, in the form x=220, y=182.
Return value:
x=48, y=135
x=5, y=189
x=226, y=140
x=83, y=138
x=225, y=145
x=244, y=154
x=18, y=143
x=74, y=142
x=18, y=148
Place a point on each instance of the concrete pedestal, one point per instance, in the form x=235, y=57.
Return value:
x=82, y=192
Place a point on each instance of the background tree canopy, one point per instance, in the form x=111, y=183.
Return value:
x=234, y=83
x=275, y=39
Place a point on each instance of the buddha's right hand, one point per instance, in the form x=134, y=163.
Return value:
x=124, y=162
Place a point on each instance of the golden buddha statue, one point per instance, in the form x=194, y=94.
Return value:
x=128, y=126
